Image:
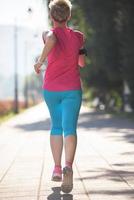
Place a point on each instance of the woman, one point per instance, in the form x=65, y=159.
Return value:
x=63, y=48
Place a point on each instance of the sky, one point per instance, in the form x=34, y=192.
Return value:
x=16, y=10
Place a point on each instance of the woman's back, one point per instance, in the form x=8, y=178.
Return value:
x=63, y=72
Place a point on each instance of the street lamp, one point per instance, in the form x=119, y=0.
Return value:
x=29, y=11
x=16, y=104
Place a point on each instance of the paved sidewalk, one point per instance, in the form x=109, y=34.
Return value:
x=104, y=163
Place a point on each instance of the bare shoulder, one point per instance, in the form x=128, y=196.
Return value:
x=44, y=33
x=50, y=36
x=80, y=34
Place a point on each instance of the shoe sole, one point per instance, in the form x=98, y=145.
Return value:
x=56, y=179
x=67, y=184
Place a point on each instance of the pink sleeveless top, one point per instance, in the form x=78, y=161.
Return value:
x=62, y=71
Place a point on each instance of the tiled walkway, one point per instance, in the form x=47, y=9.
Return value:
x=104, y=163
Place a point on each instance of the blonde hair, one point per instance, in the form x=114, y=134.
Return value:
x=60, y=10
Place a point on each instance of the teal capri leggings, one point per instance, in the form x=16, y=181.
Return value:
x=64, y=107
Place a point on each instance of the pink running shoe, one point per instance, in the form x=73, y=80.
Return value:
x=57, y=175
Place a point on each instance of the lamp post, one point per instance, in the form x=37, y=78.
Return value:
x=29, y=11
x=26, y=78
x=16, y=104
x=16, y=101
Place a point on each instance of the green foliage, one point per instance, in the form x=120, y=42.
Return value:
x=125, y=30
x=111, y=47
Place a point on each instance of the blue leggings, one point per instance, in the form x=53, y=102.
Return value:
x=64, y=107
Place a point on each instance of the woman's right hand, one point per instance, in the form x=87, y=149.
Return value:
x=37, y=67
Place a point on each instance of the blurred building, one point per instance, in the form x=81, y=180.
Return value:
x=29, y=45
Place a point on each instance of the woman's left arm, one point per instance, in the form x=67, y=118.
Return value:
x=82, y=60
x=49, y=44
x=82, y=54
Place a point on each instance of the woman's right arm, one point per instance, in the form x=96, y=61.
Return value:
x=50, y=42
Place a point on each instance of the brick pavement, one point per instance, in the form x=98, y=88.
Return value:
x=104, y=163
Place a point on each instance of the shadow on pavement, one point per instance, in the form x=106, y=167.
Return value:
x=93, y=121
x=57, y=196
x=115, y=193
x=105, y=123
x=35, y=126
x=97, y=120
x=111, y=176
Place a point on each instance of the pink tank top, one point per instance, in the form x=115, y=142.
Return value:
x=62, y=71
